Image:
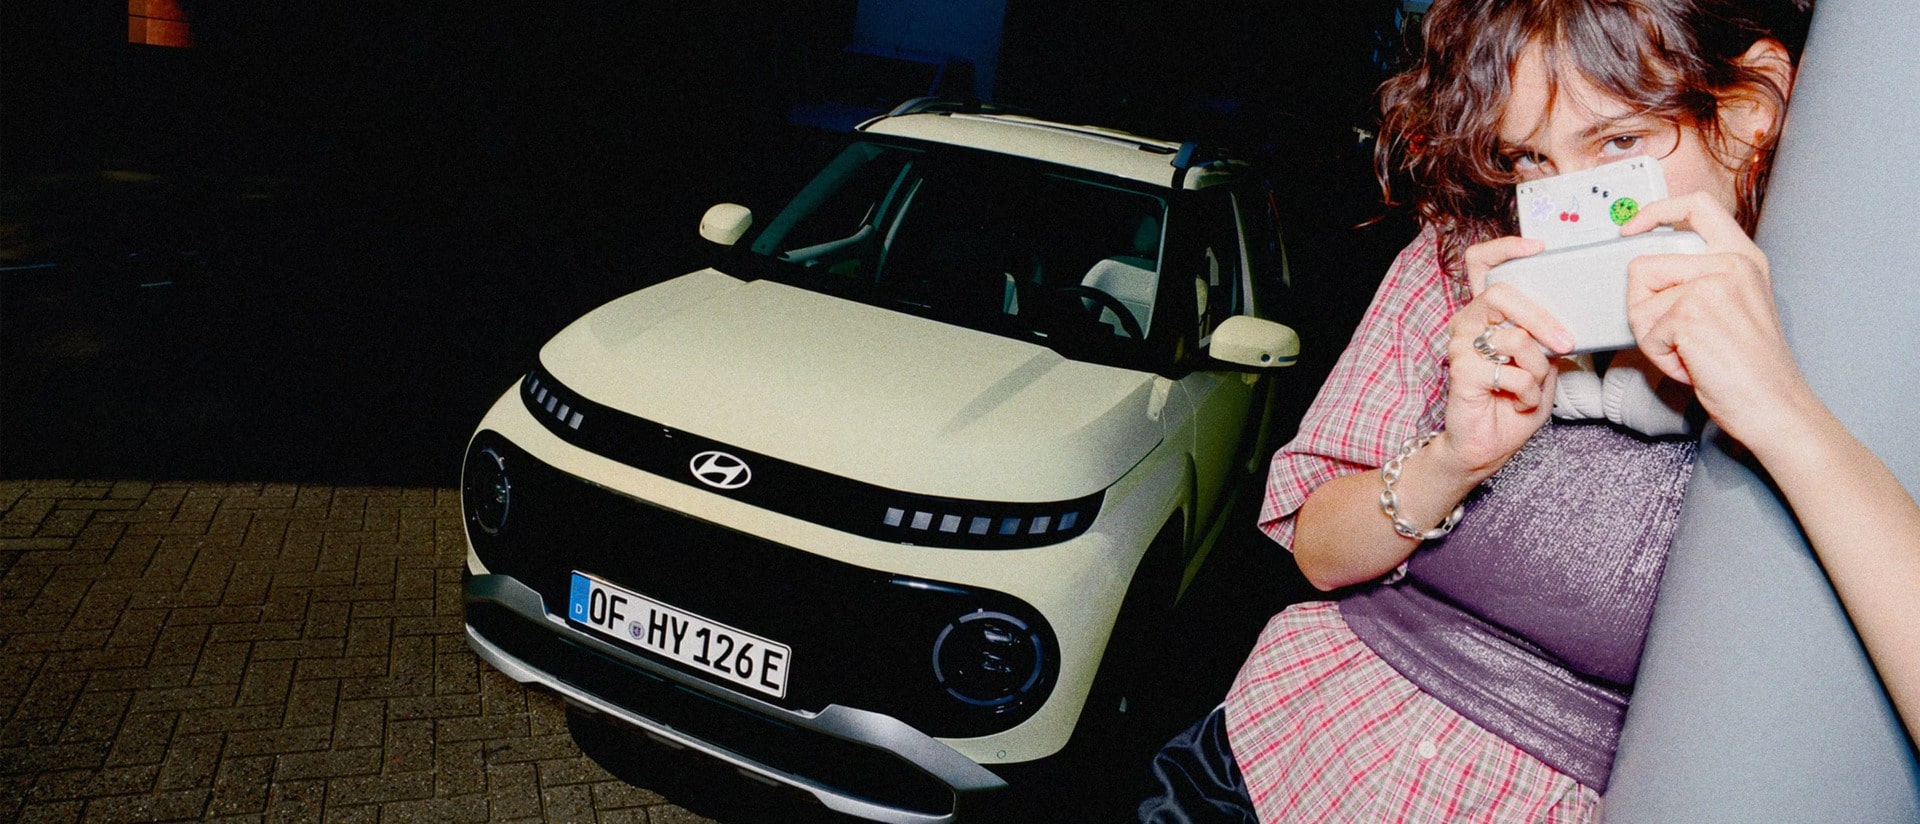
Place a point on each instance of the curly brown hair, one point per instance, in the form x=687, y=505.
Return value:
x=1674, y=59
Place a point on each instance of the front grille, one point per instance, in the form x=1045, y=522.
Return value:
x=845, y=766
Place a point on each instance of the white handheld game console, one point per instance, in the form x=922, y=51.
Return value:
x=1585, y=287
x=1582, y=276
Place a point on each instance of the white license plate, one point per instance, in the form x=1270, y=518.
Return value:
x=670, y=632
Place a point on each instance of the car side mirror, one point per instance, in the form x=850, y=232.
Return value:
x=1244, y=340
x=724, y=223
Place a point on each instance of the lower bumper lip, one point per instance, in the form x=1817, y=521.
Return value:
x=962, y=775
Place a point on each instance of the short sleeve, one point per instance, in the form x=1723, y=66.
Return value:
x=1389, y=384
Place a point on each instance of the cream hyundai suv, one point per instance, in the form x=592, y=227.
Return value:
x=888, y=507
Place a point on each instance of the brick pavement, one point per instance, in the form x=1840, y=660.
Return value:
x=270, y=652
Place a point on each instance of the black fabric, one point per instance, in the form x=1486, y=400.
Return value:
x=1196, y=780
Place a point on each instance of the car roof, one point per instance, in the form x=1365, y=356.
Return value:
x=1094, y=148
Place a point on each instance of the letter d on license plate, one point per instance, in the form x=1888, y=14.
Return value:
x=676, y=634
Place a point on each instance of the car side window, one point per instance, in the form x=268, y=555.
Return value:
x=1218, y=269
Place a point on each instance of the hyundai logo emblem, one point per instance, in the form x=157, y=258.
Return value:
x=720, y=470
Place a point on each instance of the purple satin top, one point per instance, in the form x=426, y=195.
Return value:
x=1529, y=617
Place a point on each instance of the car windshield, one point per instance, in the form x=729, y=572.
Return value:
x=995, y=243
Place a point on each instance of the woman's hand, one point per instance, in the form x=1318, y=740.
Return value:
x=1709, y=320
x=1494, y=404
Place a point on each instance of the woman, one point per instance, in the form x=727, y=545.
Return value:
x=1497, y=564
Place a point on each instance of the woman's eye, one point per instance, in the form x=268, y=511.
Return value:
x=1526, y=163
x=1621, y=145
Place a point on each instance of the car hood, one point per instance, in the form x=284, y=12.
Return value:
x=862, y=392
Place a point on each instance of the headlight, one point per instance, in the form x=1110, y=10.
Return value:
x=486, y=492
x=929, y=521
x=989, y=659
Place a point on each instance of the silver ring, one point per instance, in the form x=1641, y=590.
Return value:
x=1496, y=373
x=1483, y=343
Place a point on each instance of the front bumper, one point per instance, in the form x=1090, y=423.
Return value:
x=853, y=761
x=835, y=736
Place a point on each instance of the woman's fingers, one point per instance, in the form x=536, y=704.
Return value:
x=1501, y=303
x=1699, y=213
x=1497, y=349
x=1649, y=312
x=1500, y=378
x=1710, y=319
x=1678, y=301
x=1521, y=363
x=1526, y=389
x=1482, y=257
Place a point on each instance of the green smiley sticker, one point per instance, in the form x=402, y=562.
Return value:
x=1623, y=210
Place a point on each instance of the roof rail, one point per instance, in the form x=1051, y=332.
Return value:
x=948, y=105
x=940, y=105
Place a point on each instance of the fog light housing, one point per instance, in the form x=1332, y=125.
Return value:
x=990, y=660
x=486, y=492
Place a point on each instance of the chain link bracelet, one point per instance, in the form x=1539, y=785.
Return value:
x=1390, y=501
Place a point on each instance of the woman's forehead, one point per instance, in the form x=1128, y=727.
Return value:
x=1561, y=103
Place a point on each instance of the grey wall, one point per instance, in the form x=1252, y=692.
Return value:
x=1755, y=700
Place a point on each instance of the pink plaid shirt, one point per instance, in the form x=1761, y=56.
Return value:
x=1324, y=730
x=1390, y=384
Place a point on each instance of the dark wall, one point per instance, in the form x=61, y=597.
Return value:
x=577, y=122
x=357, y=221
x=587, y=115
x=439, y=87
x=576, y=100
x=1246, y=70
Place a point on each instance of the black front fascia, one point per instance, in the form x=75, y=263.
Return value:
x=823, y=498
x=860, y=637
